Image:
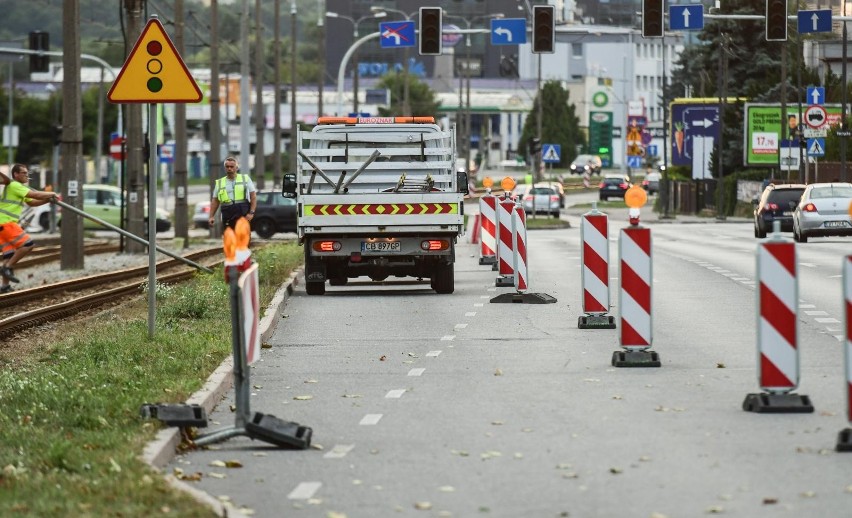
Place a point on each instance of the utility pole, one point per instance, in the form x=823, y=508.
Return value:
x=215, y=161
x=135, y=141
x=293, y=123
x=276, y=141
x=73, y=175
x=245, y=94
x=321, y=84
x=259, y=112
x=181, y=206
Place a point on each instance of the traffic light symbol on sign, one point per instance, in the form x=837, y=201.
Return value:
x=154, y=66
x=652, y=18
x=543, y=29
x=39, y=41
x=776, y=20
x=430, y=31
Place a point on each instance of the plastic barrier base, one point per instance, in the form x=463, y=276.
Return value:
x=635, y=359
x=504, y=282
x=778, y=404
x=844, y=440
x=488, y=259
x=279, y=432
x=596, y=322
x=523, y=298
x=176, y=415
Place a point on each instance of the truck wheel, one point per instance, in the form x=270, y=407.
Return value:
x=315, y=288
x=443, y=278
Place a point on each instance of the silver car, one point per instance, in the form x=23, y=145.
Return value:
x=542, y=199
x=824, y=210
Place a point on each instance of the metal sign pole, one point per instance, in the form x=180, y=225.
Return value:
x=152, y=219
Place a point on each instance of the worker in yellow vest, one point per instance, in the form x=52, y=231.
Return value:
x=235, y=193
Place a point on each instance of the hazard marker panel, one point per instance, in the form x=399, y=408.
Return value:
x=844, y=438
x=634, y=299
x=154, y=72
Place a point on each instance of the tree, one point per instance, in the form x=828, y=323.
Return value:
x=559, y=123
x=422, y=99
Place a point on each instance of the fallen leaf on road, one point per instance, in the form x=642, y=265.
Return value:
x=720, y=365
x=332, y=514
x=213, y=474
x=217, y=464
x=807, y=494
x=317, y=446
x=302, y=398
x=497, y=423
x=770, y=501
x=233, y=464
x=311, y=381
x=715, y=509
x=498, y=372
x=616, y=471
x=382, y=358
x=616, y=397
x=423, y=506
x=490, y=454
x=265, y=345
x=446, y=489
x=352, y=395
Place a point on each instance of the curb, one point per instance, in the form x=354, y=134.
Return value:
x=163, y=449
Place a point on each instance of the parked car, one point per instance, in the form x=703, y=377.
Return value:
x=651, y=182
x=823, y=210
x=586, y=163
x=104, y=202
x=37, y=219
x=274, y=213
x=558, y=187
x=613, y=186
x=541, y=199
x=776, y=203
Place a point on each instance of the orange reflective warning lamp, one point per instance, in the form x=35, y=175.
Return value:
x=635, y=197
x=243, y=232
x=507, y=183
x=376, y=120
x=487, y=182
x=229, y=245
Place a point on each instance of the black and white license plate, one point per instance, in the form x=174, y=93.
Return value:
x=836, y=224
x=381, y=246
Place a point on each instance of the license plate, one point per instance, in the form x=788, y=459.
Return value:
x=381, y=246
x=787, y=213
x=835, y=224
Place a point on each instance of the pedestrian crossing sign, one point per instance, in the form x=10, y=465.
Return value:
x=816, y=147
x=550, y=153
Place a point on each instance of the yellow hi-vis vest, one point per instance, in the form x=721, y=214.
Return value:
x=240, y=192
x=11, y=206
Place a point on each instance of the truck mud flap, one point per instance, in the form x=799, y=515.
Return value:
x=315, y=272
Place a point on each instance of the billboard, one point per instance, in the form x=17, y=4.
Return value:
x=694, y=127
x=763, y=130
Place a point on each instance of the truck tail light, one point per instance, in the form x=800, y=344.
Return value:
x=326, y=246
x=433, y=245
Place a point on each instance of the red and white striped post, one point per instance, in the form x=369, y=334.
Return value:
x=594, y=277
x=488, y=222
x=505, y=249
x=519, y=245
x=777, y=329
x=844, y=439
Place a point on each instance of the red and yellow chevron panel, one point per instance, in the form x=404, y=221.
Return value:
x=385, y=209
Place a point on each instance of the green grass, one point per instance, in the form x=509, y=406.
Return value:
x=541, y=222
x=70, y=431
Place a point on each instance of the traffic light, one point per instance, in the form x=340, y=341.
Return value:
x=430, y=31
x=652, y=18
x=39, y=40
x=534, y=145
x=776, y=20
x=543, y=29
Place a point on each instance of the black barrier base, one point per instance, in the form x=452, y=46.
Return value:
x=487, y=260
x=279, y=432
x=778, y=404
x=175, y=415
x=596, y=322
x=844, y=440
x=523, y=298
x=635, y=359
x=504, y=282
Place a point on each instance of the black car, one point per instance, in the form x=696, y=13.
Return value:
x=776, y=203
x=613, y=186
x=274, y=213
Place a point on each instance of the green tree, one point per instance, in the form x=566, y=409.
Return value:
x=421, y=98
x=559, y=122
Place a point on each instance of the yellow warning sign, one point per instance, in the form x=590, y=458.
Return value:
x=154, y=72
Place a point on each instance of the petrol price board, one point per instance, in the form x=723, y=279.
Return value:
x=763, y=126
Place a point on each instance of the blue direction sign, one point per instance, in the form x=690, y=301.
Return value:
x=814, y=21
x=694, y=128
x=816, y=95
x=396, y=34
x=634, y=162
x=550, y=153
x=686, y=17
x=816, y=147
x=508, y=31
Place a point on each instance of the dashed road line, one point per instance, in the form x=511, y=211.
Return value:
x=470, y=314
x=461, y=326
x=448, y=338
x=370, y=419
x=416, y=372
x=304, y=490
x=433, y=353
x=395, y=394
x=339, y=451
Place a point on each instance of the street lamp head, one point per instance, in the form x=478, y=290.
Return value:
x=380, y=14
x=330, y=14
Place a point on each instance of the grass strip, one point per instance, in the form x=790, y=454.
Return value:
x=70, y=431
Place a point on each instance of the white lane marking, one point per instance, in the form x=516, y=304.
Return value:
x=395, y=394
x=448, y=338
x=433, y=353
x=485, y=296
x=808, y=265
x=490, y=289
x=828, y=320
x=478, y=305
x=461, y=326
x=416, y=372
x=838, y=337
x=339, y=451
x=370, y=419
x=470, y=314
x=815, y=313
x=304, y=490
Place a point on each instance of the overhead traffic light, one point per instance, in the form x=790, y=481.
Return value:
x=39, y=40
x=534, y=145
x=652, y=18
x=543, y=29
x=430, y=31
x=776, y=20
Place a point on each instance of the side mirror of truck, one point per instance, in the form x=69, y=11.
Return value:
x=288, y=186
x=461, y=180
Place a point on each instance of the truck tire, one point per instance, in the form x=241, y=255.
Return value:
x=443, y=279
x=315, y=288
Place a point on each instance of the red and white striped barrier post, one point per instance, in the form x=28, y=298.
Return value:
x=777, y=330
x=519, y=245
x=488, y=222
x=594, y=277
x=473, y=227
x=505, y=250
x=844, y=438
x=634, y=293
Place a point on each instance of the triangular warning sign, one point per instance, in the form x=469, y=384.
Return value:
x=154, y=72
x=550, y=154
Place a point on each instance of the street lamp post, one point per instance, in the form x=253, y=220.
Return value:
x=355, y=24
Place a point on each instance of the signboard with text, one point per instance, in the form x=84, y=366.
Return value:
x=763, y=130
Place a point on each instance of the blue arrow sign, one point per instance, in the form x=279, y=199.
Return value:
x=634, y=162
x=686, y=17
x=814, y=21
x=815, y=95
x=396, y=34
x=508, y=31
x=550, y=153
x=816, y=147
x=693, y=127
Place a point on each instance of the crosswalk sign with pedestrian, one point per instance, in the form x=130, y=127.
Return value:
x=816, y=147
x=550, y=153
